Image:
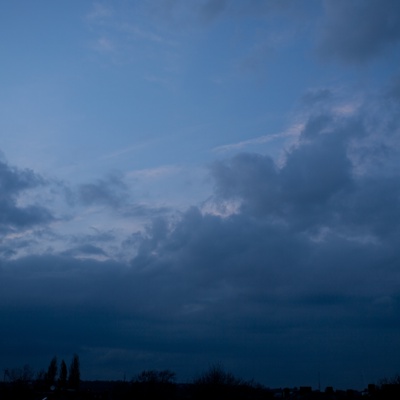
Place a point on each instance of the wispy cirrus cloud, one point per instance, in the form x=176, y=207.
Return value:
x=104, y=44
x=293, y=131
x=154, y=173
x=100, y=12
x=117, y=28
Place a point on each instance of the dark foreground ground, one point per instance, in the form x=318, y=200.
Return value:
x=115, y=390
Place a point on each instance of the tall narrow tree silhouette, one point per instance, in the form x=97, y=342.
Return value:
x=62, y=378
x=52, y=371
x=74, y=373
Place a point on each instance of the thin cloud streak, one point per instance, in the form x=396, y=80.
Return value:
x=154, y=173
x=293, y=131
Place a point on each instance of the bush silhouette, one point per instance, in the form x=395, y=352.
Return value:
x=216, y=383
x=154, y=384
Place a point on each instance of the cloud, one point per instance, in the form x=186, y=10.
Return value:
x=317, y=187
x=14, y=183
x=316, y=96
x=312, y=247
x=358, y=31
x=204, y=12
x=312, y=173
x=116, y=27
x=212, y=8
x=110, y=192
x=393, y=90
x=104, y=44
x=99, y=13
x=204, y=287
x=304, y=267
x=14, y=180
x=86, y=250
x=154, y=173
x=292, y=131
x=144, y=210
x=146, y=35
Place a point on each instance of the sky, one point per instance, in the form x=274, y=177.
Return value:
x=185, y=183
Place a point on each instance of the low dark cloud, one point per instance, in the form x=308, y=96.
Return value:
x=85, y=250
x=358, y=31
x=14, y=183
x=306, y=187
x=312, y=249
x=14, y=180
x=143, y=210
x=248, y=290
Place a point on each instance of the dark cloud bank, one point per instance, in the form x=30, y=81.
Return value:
x=302, y=279
x=352, y=32
x=357, y=31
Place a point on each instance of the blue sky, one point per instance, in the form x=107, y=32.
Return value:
x=190, y=182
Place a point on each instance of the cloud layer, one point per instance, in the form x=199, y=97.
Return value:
x=304, y=266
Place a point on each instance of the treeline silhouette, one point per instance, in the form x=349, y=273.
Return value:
x=59, y=382
x=25, y=384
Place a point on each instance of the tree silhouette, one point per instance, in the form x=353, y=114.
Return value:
x=216, y=383
x=217, y=376
x=20, y=380
x=154, y=384
x=62, y=378
x=393, y=380
x=52, y=371
x=19, y=375
x=74, y=373
x=153, y=376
